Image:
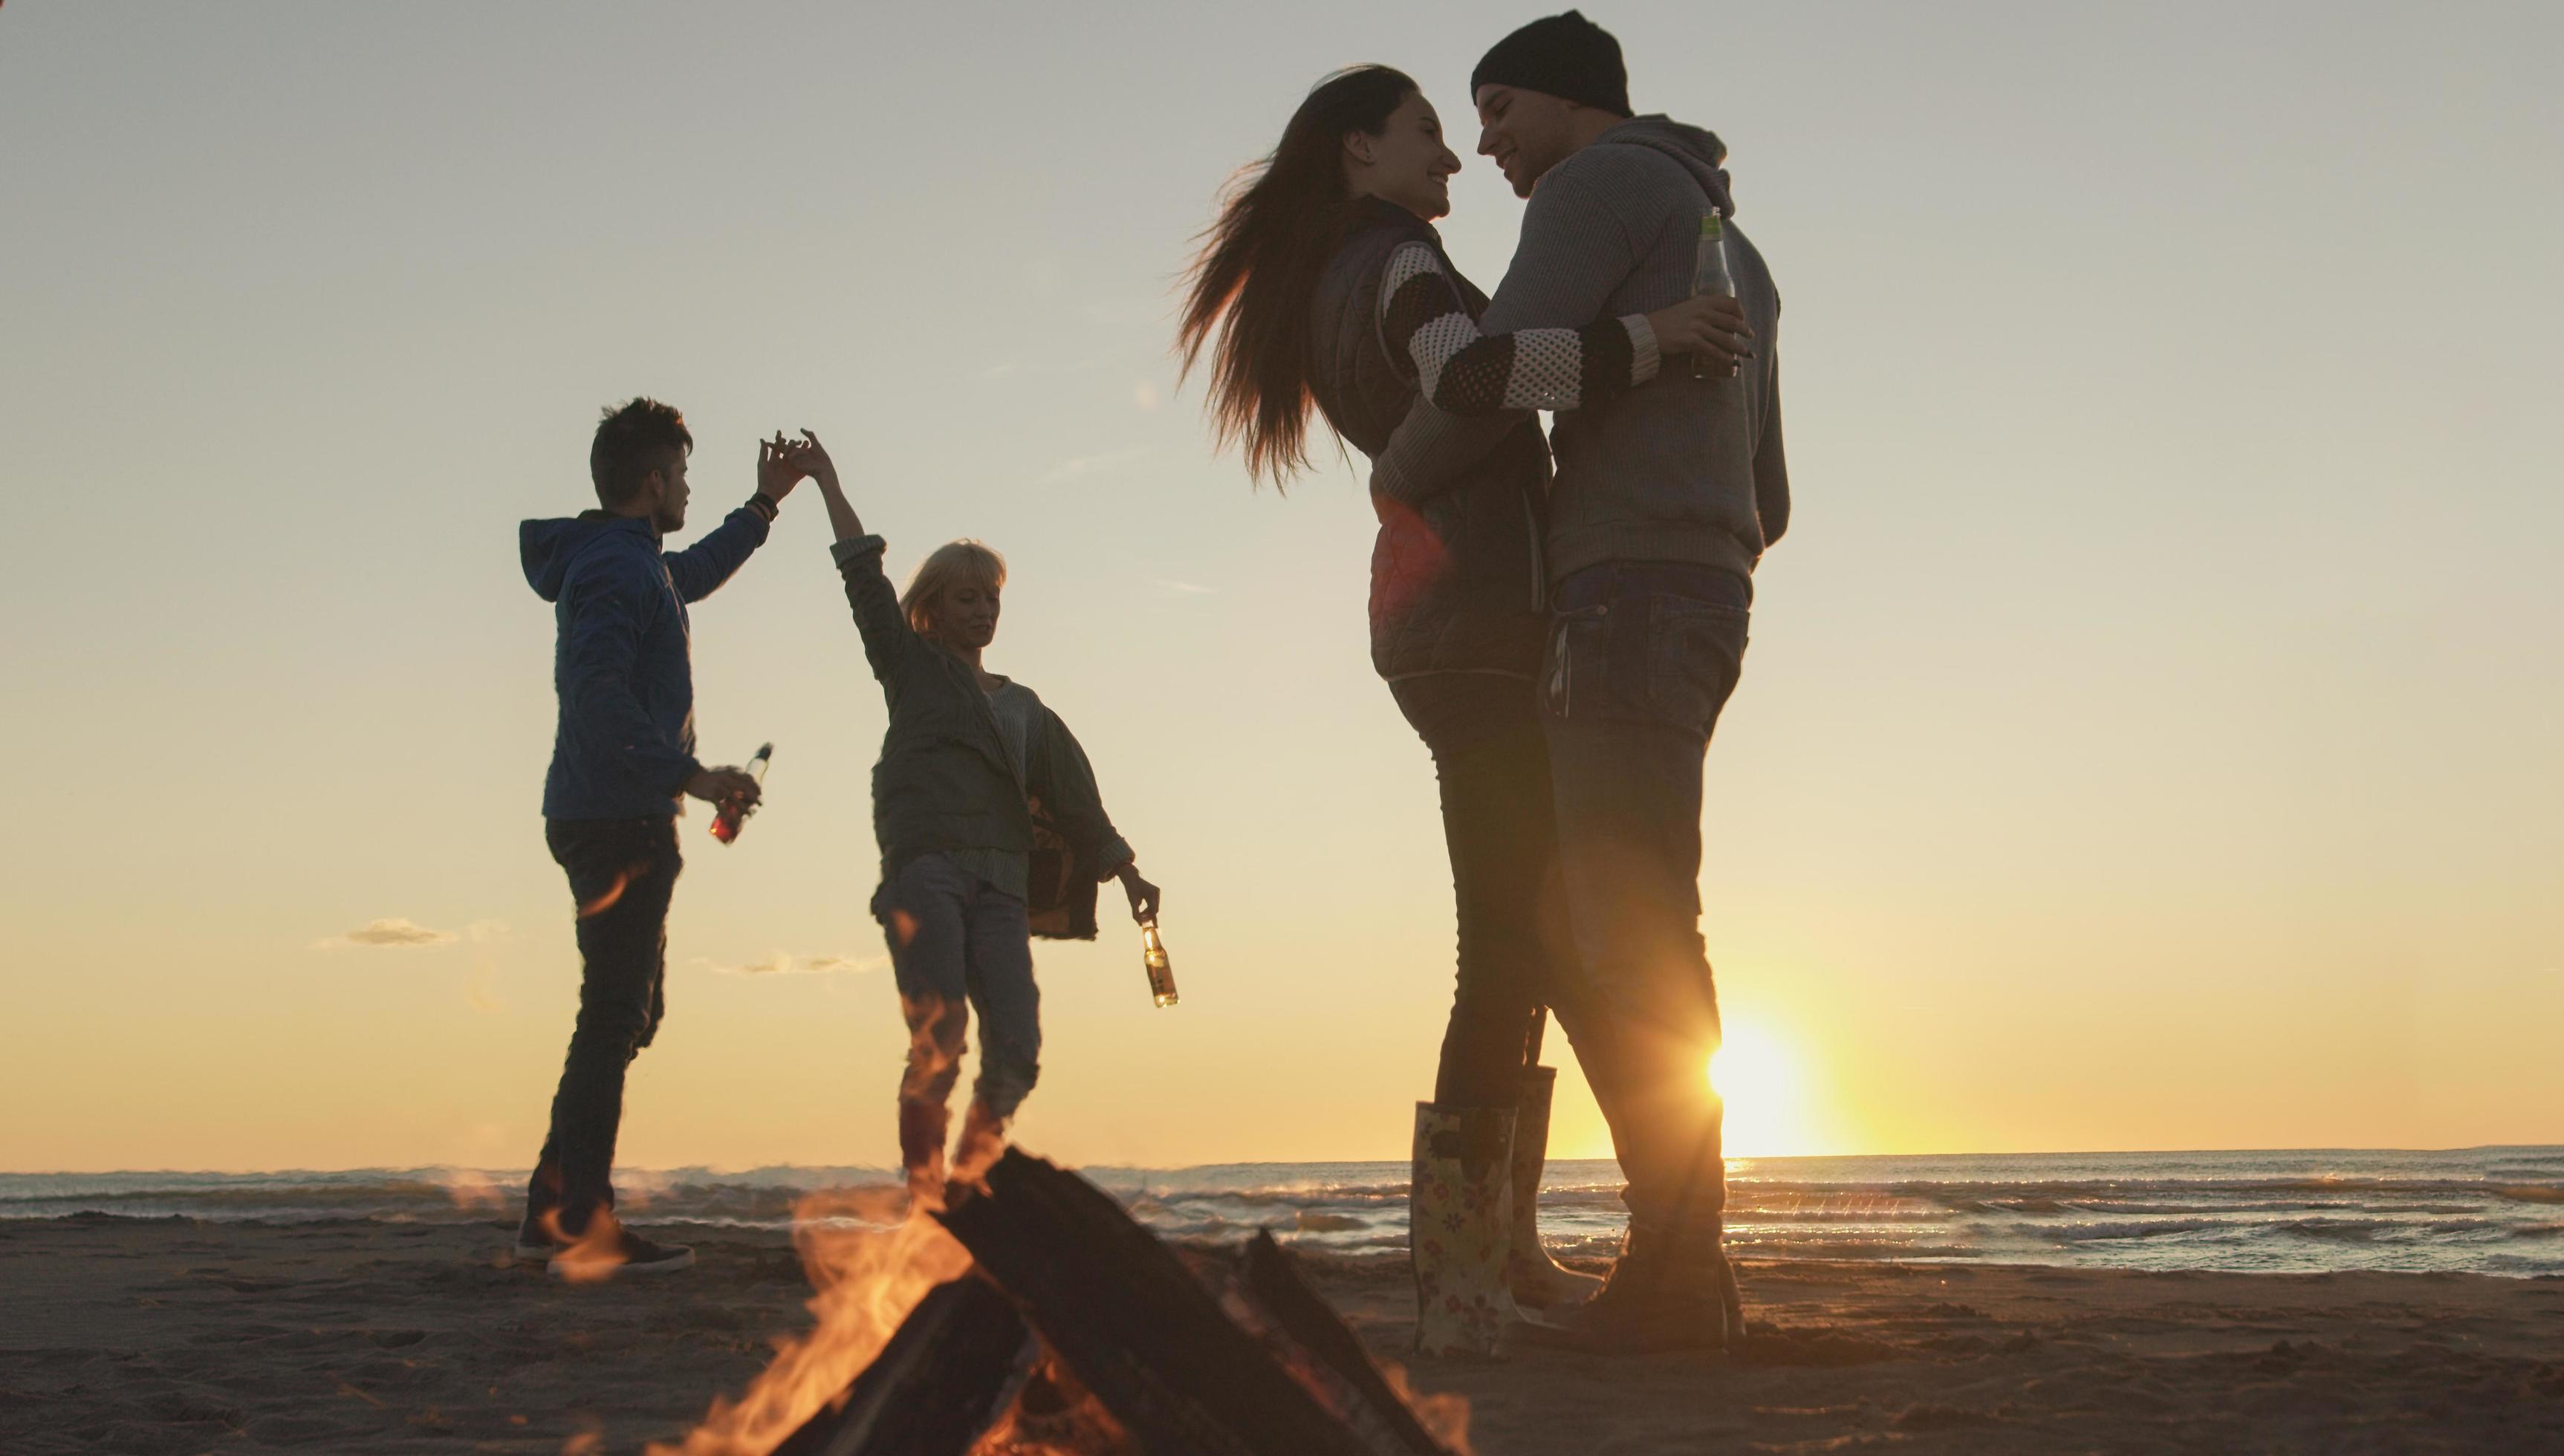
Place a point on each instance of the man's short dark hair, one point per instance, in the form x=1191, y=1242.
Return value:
x=633, y=440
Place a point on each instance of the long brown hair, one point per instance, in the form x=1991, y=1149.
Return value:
x=1279, y=222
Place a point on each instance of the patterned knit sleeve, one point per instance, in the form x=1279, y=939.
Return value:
x=1467, y=372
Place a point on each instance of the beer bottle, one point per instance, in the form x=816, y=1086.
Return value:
x=1152, y=955
x=732, y=815
x=1709, y=275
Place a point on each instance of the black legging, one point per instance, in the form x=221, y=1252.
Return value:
x=1499, y=822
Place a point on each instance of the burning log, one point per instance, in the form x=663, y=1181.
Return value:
x=1154, y=1343
x=1080, y=1333
x=952, y=1371
x=1375, y=1405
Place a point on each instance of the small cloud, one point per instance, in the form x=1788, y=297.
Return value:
x=1082, y=465
x=1145, y=394
x=394, y=933
x=785, y=963
x=1182, y=589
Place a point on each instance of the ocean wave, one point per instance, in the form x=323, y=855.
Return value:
x=2148, y=1228
x=2295, y=1211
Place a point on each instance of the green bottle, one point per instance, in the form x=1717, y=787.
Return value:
x=1709, y=275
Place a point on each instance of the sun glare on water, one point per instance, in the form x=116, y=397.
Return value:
x=1766, y=1090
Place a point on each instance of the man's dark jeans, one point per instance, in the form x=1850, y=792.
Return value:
x=1485, y=736
x=1642, y=656
x=621, y=874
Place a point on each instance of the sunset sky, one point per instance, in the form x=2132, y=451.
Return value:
x=2149, y=739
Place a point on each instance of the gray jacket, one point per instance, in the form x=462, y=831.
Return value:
x=1455, y=581
x=949, y=781
x=1677, y=470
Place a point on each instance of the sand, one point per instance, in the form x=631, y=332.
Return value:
x=171, y=1336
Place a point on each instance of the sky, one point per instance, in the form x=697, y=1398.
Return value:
x=2149, y=738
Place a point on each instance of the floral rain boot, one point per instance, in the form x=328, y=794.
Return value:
x=1460, y=1228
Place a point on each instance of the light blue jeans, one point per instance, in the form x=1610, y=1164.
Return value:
x=958, y=942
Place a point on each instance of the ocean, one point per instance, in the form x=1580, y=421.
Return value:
x=2481, y=1211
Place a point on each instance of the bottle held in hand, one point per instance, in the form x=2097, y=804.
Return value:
x=1152, y=955
x=1709, y=275
x=733, y=815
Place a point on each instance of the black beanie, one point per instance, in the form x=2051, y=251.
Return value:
x=1565, y=56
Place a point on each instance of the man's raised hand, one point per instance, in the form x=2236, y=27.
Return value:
x=809, y=457
x=777, y=471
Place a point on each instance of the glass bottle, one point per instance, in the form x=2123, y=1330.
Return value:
x=728, y=821
x=1152, y=955
x=1709, y=275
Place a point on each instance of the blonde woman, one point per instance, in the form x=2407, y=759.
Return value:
x=991, y=832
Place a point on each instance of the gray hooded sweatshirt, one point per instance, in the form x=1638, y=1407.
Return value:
x=1679, y=468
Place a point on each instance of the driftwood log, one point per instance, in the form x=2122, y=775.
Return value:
x=1187, y=1354
x=1363, y=1394
x=1143, y=1332
x=952, y=1371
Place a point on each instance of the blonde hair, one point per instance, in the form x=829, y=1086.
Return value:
x=954, y=563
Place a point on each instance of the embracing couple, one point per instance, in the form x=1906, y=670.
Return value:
x=1562, y=640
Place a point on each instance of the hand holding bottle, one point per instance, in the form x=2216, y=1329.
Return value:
x=720, y=785
x=735, y=807
x=1705, y=326
x=1710, y=278
x=1145, y=897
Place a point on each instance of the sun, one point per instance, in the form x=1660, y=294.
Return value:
x=1767, y=1094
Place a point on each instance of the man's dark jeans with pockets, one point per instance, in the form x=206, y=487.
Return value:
x=1641, y=658
x=621, y=875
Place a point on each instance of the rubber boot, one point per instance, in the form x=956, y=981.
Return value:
x=1460, y=1228
x=1538, y=1281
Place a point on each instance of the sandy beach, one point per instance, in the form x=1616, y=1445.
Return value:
x=175, y=1336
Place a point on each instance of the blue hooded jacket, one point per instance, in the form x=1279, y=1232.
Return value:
x=621, y=664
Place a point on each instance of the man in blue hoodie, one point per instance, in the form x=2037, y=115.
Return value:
x=1663, y=501
x=622, y=759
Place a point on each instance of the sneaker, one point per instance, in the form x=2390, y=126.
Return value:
x=619, y=1251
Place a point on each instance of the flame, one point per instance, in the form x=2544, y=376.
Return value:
x=622, y=881
x=1446, y=1417
x=934, y=1031
x=1054, y=1416
x=592, y=1255
x=868, y=1279
x=983, y=1142
x=471, y=1191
